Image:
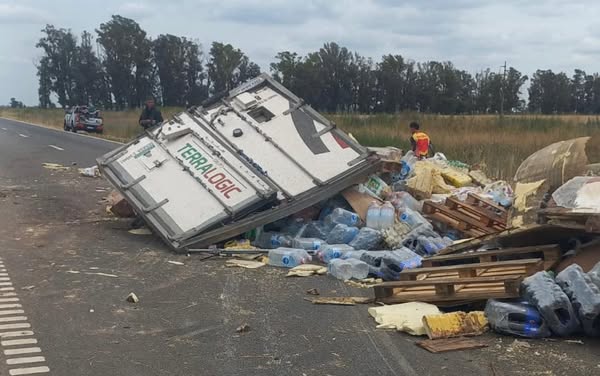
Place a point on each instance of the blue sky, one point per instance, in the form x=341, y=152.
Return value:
x=545, y=34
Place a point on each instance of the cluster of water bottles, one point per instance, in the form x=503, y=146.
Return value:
x=342, y=249
x=563, y=305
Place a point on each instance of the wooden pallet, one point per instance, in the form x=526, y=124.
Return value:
x=551, y=254
x=470, y=219
x=449, y=289
x=483, y=269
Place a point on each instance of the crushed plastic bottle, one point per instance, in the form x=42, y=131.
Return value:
x=428, y=245
x=342, y=234
x=516, y=318
x=373, y=215
x=594, y=274
x=342, y=216
x=366, y=239
x=402, y=200
x=584, y=295
x=329, y=252
x=553, y=304
x=271, y=240
x=413, y=218
x=288, y=257
x=348, y=269
x=315, y=229
x=387, y=264
x=309, y=244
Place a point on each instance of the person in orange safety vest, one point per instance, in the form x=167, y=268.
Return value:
x=421, y=144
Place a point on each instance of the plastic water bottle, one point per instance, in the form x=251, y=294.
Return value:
x=329, y=252
x=373, y=214
x=366, y=239
x=343, y=216
x=516, y=318
x=412, y=218
x=342, y=234
x=403, y=200
x=271, y=240
x=309, y=244
x=428, y=245
x=288, y=257
x=348, y=269
x=584, y=295
x=386, y=216
x=553, y=304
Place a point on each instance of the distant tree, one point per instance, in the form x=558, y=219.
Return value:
x=128, y=61
x=45, y=83
x=90, y=82
x=549, y=92
x=58, y=65
x=15, y=103
x=228, y=67
x=195, y=76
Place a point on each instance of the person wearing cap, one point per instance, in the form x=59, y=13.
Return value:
x=420, y=142
x=150, y=114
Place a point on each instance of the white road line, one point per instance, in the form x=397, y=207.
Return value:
x=7, y=300
x=4, y=274
x=23, y=135
x=3, y=306
x=31, y=359
x=28, y=371
x=4, y=129
x=12, y=312
x=22, y=333
x=17, y=342
x=56, y=147
x=8, y=294
x=4, y=278
x=24, y=350
x=7, y=289
x=5, y=283
x=14, y=318
x=22, y=325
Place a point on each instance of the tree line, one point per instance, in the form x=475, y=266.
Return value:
x=121, y=66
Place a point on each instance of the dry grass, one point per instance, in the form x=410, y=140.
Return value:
x=498, y=144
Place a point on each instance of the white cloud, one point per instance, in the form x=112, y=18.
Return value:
x=12, y=13
x=137, y=10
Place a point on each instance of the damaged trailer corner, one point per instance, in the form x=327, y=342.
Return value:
x=252, y=157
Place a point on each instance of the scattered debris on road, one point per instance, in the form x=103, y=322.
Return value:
x=90, y=172
x=140, y=231
x=244, y=328
x=422, y=233
x=179, y=263
x=132, y=298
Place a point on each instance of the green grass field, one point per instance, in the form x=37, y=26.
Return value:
x=497, y=144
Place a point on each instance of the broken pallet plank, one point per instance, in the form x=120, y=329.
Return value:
x=528, y=267
x=550, y=253
x=450, y=344
x=466, y=222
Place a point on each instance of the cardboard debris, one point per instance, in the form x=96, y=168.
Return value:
x=480, y=178
x=455, y=177
x=140, y=231
x=406, y=317
x=455, y=324
x=247, y=264
x=450, y=344
x=55, y=166
x=359, y=201
x=306, y=270
x=523, y=191
x=351, y=300
x=119, y=206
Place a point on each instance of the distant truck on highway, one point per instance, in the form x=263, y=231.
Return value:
x=83, y=118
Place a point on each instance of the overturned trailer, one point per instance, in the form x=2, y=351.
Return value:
x=249, y=157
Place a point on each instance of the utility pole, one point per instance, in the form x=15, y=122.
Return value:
x=502, y=89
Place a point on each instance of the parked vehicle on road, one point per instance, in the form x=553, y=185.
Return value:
x=83, y=118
